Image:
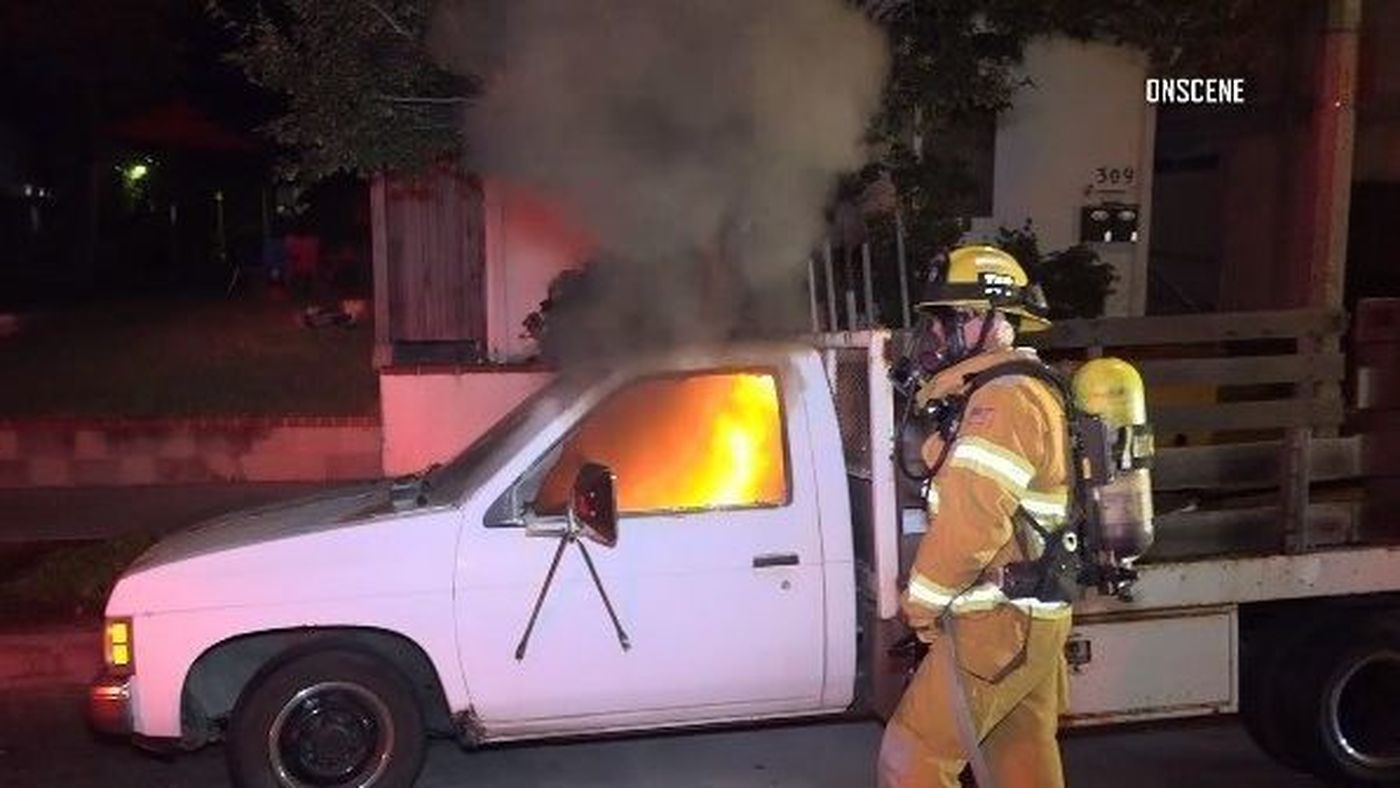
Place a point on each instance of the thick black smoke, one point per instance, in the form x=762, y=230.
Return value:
x=698, y=140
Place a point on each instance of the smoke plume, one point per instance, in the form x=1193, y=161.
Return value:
x=698, y=140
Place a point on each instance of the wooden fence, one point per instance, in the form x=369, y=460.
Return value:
x=429, y=265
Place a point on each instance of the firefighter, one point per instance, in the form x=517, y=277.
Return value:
x=994, y=681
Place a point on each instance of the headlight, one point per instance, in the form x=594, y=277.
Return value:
x=117, y=647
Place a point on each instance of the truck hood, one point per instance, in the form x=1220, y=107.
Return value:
x=302, y=558
x=339, y=508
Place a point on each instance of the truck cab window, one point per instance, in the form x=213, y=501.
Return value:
x=685, y=442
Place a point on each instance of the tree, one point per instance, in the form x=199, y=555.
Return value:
x=362, y=92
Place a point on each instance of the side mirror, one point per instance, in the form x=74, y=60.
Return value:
x=593, y=504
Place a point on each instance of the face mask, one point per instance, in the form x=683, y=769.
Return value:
x=944, y=345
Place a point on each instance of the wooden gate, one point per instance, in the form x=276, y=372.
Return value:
x=429, y=265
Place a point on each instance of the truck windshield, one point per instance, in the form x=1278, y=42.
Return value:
x=448, y=483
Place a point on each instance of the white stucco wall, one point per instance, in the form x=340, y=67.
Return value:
x=528, y=243
x=1084, y=109
x=431, y=415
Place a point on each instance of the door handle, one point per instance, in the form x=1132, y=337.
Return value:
x=775, y=559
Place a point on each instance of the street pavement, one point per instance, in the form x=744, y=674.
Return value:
x=44, y=744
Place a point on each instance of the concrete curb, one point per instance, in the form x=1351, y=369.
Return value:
x=49, y=657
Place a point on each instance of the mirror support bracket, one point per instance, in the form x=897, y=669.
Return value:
x=622, y=639
x=570, y=534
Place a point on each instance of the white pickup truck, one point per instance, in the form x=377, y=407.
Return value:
x=752, y=572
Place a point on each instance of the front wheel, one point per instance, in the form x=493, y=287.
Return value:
x=327, y=719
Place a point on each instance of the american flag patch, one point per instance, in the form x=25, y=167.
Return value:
x=979, y=416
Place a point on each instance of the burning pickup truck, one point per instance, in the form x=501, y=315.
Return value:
x=749, y=571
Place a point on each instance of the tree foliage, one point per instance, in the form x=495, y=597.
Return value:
x=362, y=93
x=1076, y=282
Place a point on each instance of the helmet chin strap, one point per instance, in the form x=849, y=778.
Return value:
x=954, y=322
x=957, y=346
x=988, y=320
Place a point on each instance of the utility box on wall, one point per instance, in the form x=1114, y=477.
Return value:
x=1108, y=223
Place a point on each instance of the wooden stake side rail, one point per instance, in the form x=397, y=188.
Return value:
x=1254, y=465
x=1242, y=384
x=1242, y=370
x=1190, y=329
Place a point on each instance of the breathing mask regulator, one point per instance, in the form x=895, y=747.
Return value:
x=938, y=341
x=1110, y=442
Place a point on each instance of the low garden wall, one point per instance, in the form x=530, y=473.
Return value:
x=61, y=452
x=430, y=413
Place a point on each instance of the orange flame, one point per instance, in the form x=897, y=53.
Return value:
x=682, y=443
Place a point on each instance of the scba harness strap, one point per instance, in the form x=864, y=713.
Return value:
x=1054, y=570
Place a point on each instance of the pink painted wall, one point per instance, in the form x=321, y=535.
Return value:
x=430, y=415
x=528, y=242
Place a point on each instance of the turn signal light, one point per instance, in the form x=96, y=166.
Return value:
x=117, y=646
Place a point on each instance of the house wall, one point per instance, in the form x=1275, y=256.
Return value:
x=1262, y=239
x=1083, y=109
x=528, y=242
x=1378, y=100
x=1276, y=168
x=1248, y=164
x=431, y=414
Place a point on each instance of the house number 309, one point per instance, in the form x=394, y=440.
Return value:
x=1113, y=176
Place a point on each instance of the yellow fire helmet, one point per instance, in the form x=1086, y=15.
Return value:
x=985, y=277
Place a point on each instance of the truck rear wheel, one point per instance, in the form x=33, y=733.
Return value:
x=328, y=718
x=1351, y=695
x=1267, y=669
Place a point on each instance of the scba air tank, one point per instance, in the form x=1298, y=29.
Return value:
x=1112, y=389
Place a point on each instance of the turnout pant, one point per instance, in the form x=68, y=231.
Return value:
x=1015, y=718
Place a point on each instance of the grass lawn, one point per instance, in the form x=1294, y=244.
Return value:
x=185, y=357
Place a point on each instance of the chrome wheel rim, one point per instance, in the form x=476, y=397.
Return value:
x=1360, y=714
x=334, y=733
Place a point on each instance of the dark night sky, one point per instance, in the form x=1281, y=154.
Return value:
x=69, y=71
x=71, y=74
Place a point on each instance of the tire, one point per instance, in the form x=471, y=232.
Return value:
x=327, y=718
x=1354, y=691
x=1267, y=659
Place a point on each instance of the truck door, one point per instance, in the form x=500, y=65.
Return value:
x=716, y=576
